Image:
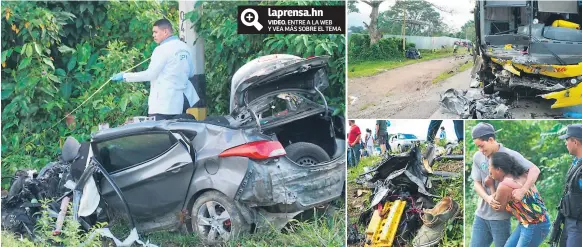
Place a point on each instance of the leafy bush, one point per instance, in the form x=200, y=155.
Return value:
x=359, y=48
x=54, y=56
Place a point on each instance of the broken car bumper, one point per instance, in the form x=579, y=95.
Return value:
x=282, y=186
x=566, y=98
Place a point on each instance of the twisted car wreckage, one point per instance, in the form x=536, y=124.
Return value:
x=276, y=155
x=531, y=45
x=401, y=207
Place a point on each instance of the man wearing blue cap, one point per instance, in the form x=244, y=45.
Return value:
x=492, y=224
x=571, y=203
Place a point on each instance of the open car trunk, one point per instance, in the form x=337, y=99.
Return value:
x=317, y=129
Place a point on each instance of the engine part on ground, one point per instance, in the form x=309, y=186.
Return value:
x=454, y=101
x=384, y=224
x=469, y=105
x=435, y=221
x=491, y=107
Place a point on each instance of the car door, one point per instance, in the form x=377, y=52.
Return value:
x=152, y=169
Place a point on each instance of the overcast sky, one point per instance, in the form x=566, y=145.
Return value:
x=461, y=12
x=418, y=127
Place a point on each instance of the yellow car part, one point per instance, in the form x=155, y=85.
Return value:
x=566, y=24
x=507, y=65
x=566, y=98
x=198, y=112
x=555, y=71
x=383, y=226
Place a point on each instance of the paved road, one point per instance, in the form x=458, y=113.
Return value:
x=408, y=93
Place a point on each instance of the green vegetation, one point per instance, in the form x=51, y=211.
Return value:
x=370, y=68
x=56, y=54
x=321, y=230
x=448, y=74
x=326, y=230
x=538, y=142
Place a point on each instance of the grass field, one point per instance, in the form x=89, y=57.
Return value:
x=320, y=230
x=370, y=68
x=448, y=74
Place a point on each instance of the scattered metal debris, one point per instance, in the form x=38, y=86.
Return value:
x=470, y=104
x=401, y=186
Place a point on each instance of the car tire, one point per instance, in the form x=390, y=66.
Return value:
x=306, y=154
x=203, y=221
x=488, y=88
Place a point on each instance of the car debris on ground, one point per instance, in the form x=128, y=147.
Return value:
x=402, y=208
x=471, y=104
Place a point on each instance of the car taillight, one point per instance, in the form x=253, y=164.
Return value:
x=256, y=150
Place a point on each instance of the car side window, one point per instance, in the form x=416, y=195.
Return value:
x=124, y=152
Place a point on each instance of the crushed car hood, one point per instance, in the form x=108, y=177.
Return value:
x=278, y=72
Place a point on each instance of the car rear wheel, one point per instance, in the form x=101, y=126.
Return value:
x=216, y=219
x=306, y=154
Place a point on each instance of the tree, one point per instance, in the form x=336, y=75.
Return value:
x=352, y=7
x=356, y=29
x=468, y=31
x=373, y=26
x=422, y=18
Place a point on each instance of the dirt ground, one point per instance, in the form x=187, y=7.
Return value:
x=408, y=93
x=389, y=94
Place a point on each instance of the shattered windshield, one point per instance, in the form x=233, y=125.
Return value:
x=282, y=105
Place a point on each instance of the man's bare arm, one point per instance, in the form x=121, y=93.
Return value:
x=532, y=177
x=483, y=194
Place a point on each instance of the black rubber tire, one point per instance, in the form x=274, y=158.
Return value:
x=304, y=150
x=487, y=88
x=238, y=224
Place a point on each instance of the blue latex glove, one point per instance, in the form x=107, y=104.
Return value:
x=117, y=77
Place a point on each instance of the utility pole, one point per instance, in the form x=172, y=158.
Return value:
x=404, y=33
x=189, y=35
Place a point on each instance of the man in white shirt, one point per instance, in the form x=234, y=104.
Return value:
x=171, y=92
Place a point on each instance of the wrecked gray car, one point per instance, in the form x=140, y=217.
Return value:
x=279, y=153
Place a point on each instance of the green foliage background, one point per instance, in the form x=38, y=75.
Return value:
x=56, y=54
x=359, y=48
x=538, y=142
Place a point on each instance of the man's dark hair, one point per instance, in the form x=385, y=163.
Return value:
x=164, y=24
x=507, y=164
x=486, y=137
x=352, y=121
x=368, y=130
x=442, y=127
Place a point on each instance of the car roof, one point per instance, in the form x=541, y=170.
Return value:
x=131, y=129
